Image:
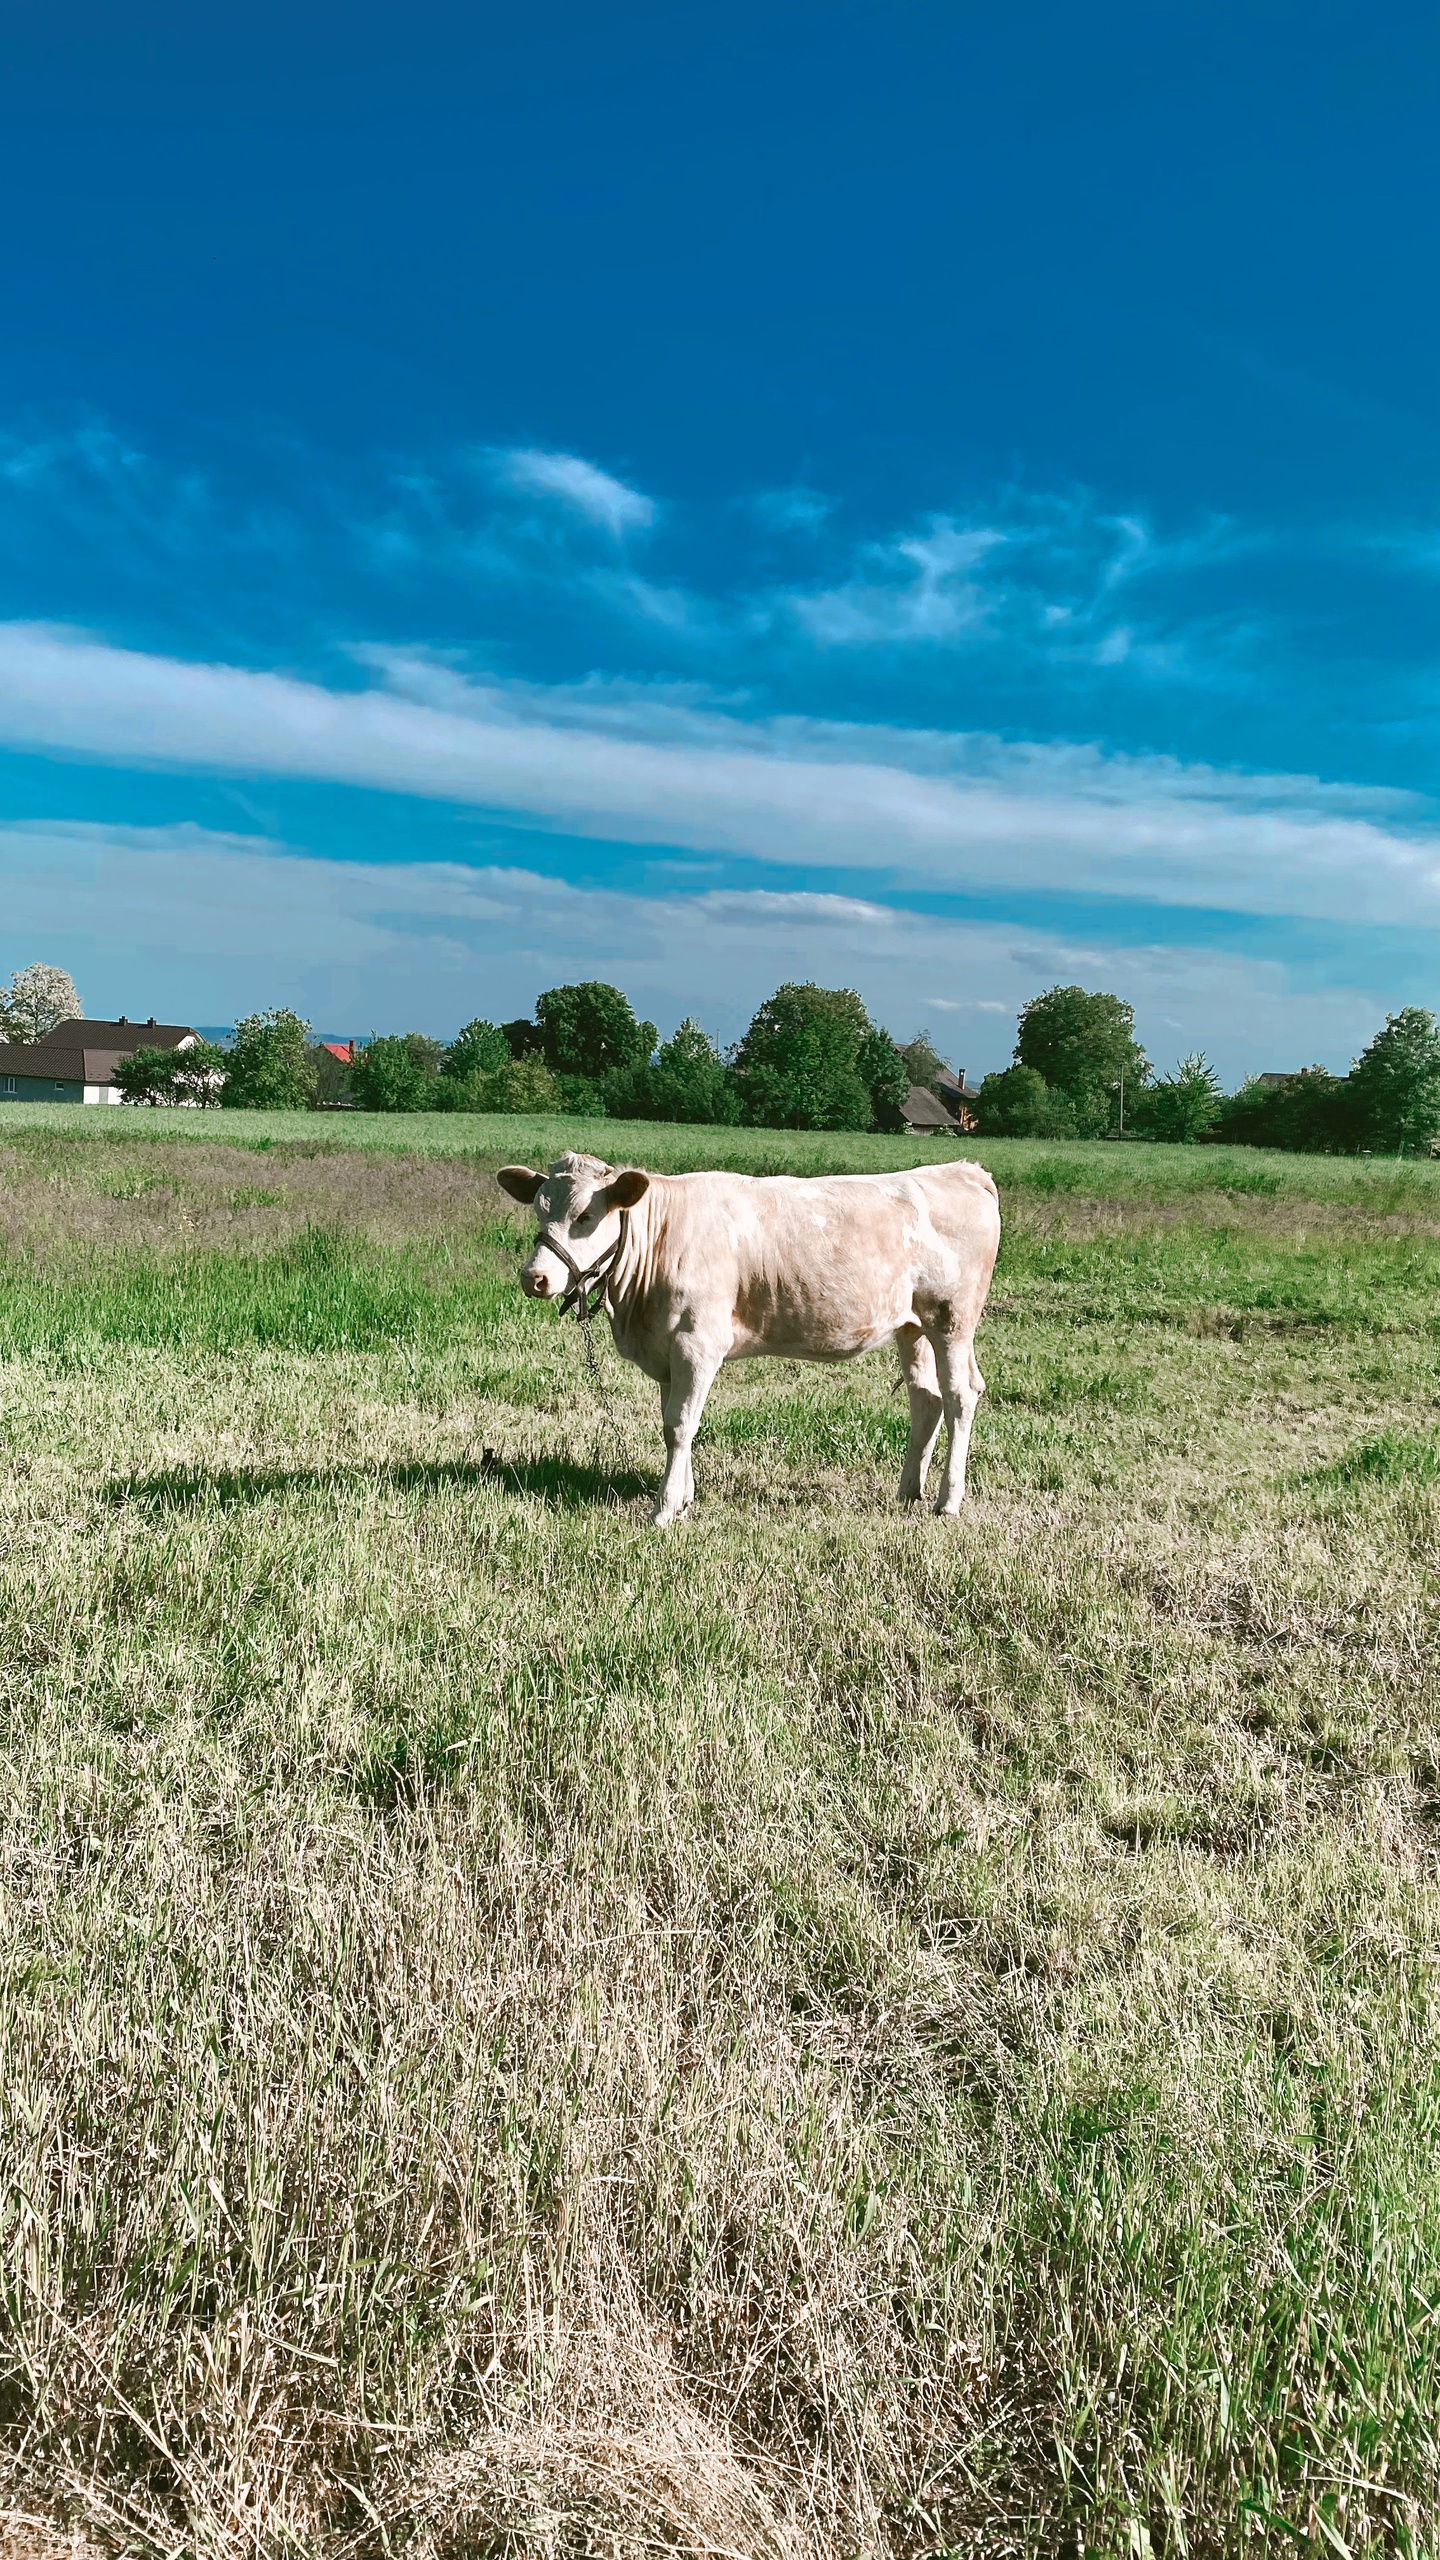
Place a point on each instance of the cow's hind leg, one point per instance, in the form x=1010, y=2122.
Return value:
x=692, y=1374
x=962, y=1386
x=927, y=1409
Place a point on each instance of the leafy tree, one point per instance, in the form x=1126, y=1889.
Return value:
x=923, y=1061
x=1393, y=1096
x=159, y=1076
x=1309, y=1113
x=886, y=1077
x=687, y=1080
x=397, y=1073
x=477, y=1050
x=522, y=1038
x=35, y=1000
x=1178, y=1110
x=589, y=1029
x=520, y=1084
x=270, y=1067
x=1017, y=1103
x=1082, y=1045
x=806, y=1060
x=526, y=1084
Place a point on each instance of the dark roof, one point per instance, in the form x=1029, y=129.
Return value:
x=1290, y=1076
x=949, y=1082
x=924, y=1110
x=85, y=1052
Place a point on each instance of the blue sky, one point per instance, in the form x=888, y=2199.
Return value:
x=931, y=498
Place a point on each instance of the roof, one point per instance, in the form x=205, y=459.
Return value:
x=86, y=1052
x=924, y=1110
x=949, y=1082
x=1289, y=1077
x=344, y=1050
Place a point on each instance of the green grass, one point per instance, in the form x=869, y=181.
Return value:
x=823, y=2032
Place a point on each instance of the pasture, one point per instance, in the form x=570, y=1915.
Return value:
x=822, y=2032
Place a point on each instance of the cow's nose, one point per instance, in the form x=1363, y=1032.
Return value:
x=534, y=1284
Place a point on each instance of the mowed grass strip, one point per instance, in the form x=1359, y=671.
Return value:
x=822, y=2031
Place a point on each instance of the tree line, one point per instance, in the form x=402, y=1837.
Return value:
x=812, y=1058
x=1079, y=1072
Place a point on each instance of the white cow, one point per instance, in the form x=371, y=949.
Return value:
x=694, y=1269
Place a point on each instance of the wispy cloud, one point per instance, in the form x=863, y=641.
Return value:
x=1000, y=817
x=582, y=485
x=187, y=922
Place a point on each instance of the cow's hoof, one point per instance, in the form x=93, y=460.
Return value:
x=660, y=1518
x=947, y=1510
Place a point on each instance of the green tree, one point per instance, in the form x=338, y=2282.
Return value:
x=397, y=1073
x=477, y=1050
x=522, y=1038
x=1178, y=1110
x=270, y=1067
x=1016, y=1102
x=687, y=1080
x=1393, y=1095
x=589, y=1029
x=526, y=1084
x=36, y=1000
x=1309, y=1113
x=886, y=1078
x=798, y=1066
x=1082, y=1045
x=923, y=1061
x=159, y=1076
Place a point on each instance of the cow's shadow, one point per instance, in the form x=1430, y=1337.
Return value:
x=560, y=1483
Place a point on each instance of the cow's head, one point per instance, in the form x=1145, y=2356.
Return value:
x=577, y=1202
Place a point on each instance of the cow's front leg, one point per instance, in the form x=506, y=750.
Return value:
x=962, y=1387
x=692, y=1374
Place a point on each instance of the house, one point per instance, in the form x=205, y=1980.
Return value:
x=76, y=1061
x=960, y=1098
x=344, y=1050
x=926, y=1114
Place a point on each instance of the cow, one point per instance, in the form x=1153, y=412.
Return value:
x=694, y=1269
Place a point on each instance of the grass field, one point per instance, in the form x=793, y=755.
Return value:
x=820, y=2033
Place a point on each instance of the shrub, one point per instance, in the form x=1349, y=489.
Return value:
x=687, y=1080
x=1178, y=1110
x=270, y=1067
x=1017, y=1103
x=157, y=1077
x=1309, y=1113
x=397, y=1073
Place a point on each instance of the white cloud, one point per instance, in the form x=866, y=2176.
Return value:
x=198, y=925
x=1033, y=818
x=916, y=588
x=596, y=494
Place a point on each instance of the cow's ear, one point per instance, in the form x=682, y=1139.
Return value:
x=519, y=1181
x=627, y=1188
